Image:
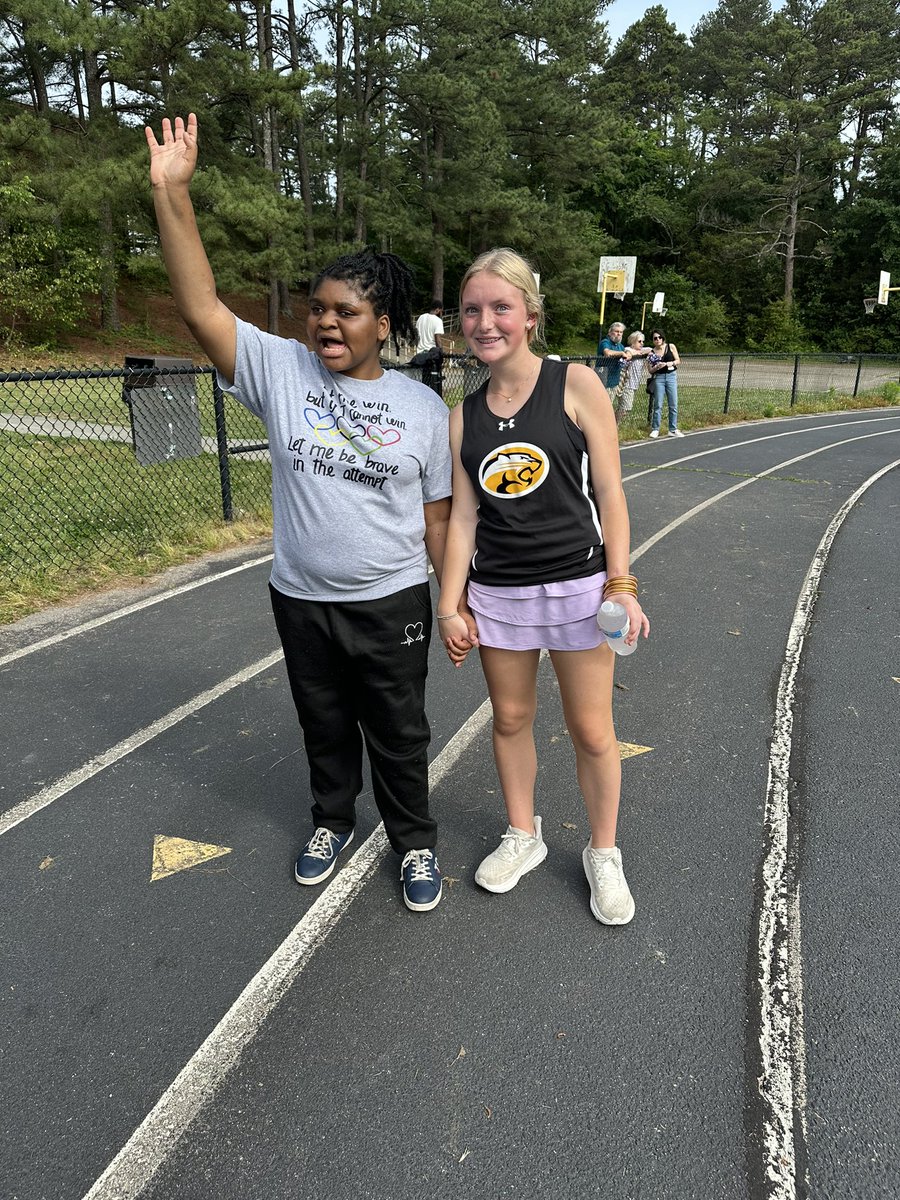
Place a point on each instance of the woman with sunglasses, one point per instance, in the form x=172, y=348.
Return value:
x=663, y=367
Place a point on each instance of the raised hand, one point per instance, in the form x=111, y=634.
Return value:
x=174, y=161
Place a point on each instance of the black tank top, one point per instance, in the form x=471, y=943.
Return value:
x=537, y=519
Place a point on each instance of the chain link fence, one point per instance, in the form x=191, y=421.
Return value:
x=742, y=386
x=101, y=467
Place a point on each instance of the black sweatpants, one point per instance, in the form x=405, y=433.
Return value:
x=357, y=672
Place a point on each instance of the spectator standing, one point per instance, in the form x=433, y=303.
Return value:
x=633, y=372
x=612, y=356
x=663, y=367
x=429, y=347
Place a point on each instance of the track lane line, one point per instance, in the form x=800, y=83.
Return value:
x=40, y=800
x=748, y=442
x=128, y=610
x=196, y=1084
x=782, y=1081
x=698, y=508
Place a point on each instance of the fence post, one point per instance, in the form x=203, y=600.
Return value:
x=794, y=381
x=859, y=363
x=728, y=382
x=222, y=446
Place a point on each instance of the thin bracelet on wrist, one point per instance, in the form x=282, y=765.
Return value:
x=446, y=616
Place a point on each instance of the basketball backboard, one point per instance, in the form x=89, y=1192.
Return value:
x=884, y=286
x=617, y=263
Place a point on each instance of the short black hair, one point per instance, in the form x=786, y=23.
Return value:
x=385, y=280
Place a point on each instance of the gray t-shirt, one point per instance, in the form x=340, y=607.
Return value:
x=353, y=463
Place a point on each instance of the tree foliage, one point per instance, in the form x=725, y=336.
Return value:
x=752, y=167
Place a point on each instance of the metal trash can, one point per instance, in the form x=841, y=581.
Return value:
x=162, y=407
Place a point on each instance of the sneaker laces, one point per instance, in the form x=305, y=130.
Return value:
x=321, y=844
x=607, y=868
x=420, y=861
x=513, y=842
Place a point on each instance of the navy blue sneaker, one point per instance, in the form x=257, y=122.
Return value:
x=421, y=877
x=319, y=855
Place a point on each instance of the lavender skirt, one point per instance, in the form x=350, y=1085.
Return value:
x=542, y=616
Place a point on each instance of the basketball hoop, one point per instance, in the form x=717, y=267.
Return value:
x=870, y=302
x=619, y=295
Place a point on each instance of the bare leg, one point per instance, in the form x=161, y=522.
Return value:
x=585, y=683
x=512, y=683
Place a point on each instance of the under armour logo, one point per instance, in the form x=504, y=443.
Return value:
x=510, y=424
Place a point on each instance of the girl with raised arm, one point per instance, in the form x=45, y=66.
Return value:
x=360, y=498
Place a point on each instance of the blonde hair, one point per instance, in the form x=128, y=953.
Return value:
x=511, y=267
x=634, y=338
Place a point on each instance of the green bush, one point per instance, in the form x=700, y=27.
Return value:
x=44, y=274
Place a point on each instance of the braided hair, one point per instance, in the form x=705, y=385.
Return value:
x=383, y=279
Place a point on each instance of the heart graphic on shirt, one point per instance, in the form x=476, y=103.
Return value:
x=336, y=431
x=324, y=426
x=359, y=438
x=384, y=437
x=414, y=633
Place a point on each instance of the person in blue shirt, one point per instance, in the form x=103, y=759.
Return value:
x=612, y=356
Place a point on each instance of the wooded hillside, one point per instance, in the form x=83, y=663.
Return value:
x=753, y=168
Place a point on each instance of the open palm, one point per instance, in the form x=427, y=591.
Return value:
x=173, y=160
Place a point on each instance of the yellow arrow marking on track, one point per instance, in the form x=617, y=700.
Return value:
x=172, y=854
x=630, y=749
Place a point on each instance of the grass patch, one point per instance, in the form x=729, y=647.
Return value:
x=76, y=515
x=54, y=585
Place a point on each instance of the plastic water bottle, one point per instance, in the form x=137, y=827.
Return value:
x=613, y=620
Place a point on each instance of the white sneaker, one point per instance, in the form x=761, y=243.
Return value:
x=517, y=854
x=611, y=900
x=654, y=433
x=675, y=433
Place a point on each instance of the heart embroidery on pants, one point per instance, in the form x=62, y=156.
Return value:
x=414, y=633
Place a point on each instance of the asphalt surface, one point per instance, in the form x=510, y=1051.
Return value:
x=502, y=1045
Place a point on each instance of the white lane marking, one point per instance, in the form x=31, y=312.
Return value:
x=161, y=1130
x=748, y=442
x=692, y=512
x=27, y=808
x=782, y=1084
x=128, y=610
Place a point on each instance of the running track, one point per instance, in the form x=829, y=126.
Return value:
x=221, y=1032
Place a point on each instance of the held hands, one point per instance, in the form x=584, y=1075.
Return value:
x=459, y=635
x=173, y=162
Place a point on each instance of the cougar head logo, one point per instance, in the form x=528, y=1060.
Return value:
x=513, y=470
